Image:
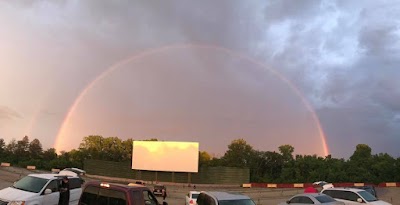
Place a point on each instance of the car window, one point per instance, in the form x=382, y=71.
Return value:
x=367, y=196
x=295, y=199
x=324, y=199
x=306, y=200
x=149, y=199
x=75, y=183
x=89, y=196
x=350, y=196
x=53, y=185
x=31, y=184
x=194, y=196
x=236, y=202
x=111, y=197
x=337, y=194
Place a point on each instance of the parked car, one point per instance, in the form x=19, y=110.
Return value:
x=353, y=196
x=223, y=198
x=40, y=189
x=191, y=197
x=103, y=193
x=157, y=190
x=312, y=198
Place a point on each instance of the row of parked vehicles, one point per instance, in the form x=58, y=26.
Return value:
x=328, y=196
x=43, y=189
x=336, y=196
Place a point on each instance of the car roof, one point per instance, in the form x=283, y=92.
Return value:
x=194, y=192
x=227, y=195
x=310, y=194
x=116, y=185
x=49, y=176
x=75, y=169
x=344, y=189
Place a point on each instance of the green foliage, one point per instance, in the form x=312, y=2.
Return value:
x=239, y=154
x=265, y=166
x=204, y=159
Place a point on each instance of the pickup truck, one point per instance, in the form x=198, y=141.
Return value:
x=96, y=192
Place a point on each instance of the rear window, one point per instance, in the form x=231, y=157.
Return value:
x=111, y=197
x=89, y=195
x=194, y=196
x=325, y=199
x=236, y=202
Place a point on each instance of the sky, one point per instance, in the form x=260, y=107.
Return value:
x=203, y=71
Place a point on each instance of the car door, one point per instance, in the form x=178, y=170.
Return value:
x=347, y=197
x=54, y=196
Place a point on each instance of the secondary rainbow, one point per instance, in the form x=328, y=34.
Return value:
x=60, y=139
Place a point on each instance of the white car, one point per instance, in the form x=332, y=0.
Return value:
x=191, y=197
x=40, y=189
x=312, y=198
x=353, y=196
x=223, y=198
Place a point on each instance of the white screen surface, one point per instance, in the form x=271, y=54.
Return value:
x=165, y=156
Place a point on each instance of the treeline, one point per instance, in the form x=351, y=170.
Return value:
x=265, y=166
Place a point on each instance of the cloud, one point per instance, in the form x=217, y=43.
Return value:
x=8, y=113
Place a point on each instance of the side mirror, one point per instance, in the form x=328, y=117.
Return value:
x=164, y=203
x=47, y=191
x=288, y=202
x=359, y=200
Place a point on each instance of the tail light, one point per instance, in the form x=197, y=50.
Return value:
x=191, y=201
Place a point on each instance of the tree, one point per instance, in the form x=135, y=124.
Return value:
x=359, y=165
x=287, y=152
x=35, y=149
x=11, y=147
x=204, y=158
x=92, y=146
x=362, y=152
x=49, y=154
x=2, y=147
x=239, y=154
x=128, y=148
x=22, y=149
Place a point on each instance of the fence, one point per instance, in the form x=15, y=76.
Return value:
x=206, y=175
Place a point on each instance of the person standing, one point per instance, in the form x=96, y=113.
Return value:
x=64, y=192
x=164, y=194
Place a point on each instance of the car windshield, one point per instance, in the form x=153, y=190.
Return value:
x=367, y=196
x=31, y=184
x=237, y=202
x=158, y=187
x=194, y=196
x=325, y=199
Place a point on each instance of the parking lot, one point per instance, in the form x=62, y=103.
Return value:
x=176, y=194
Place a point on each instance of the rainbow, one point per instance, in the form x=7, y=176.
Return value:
x=61, y=139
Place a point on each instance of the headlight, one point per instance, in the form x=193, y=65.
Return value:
x=16, y=203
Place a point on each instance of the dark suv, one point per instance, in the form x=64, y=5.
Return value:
x=100, y=193
x=157, y=190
